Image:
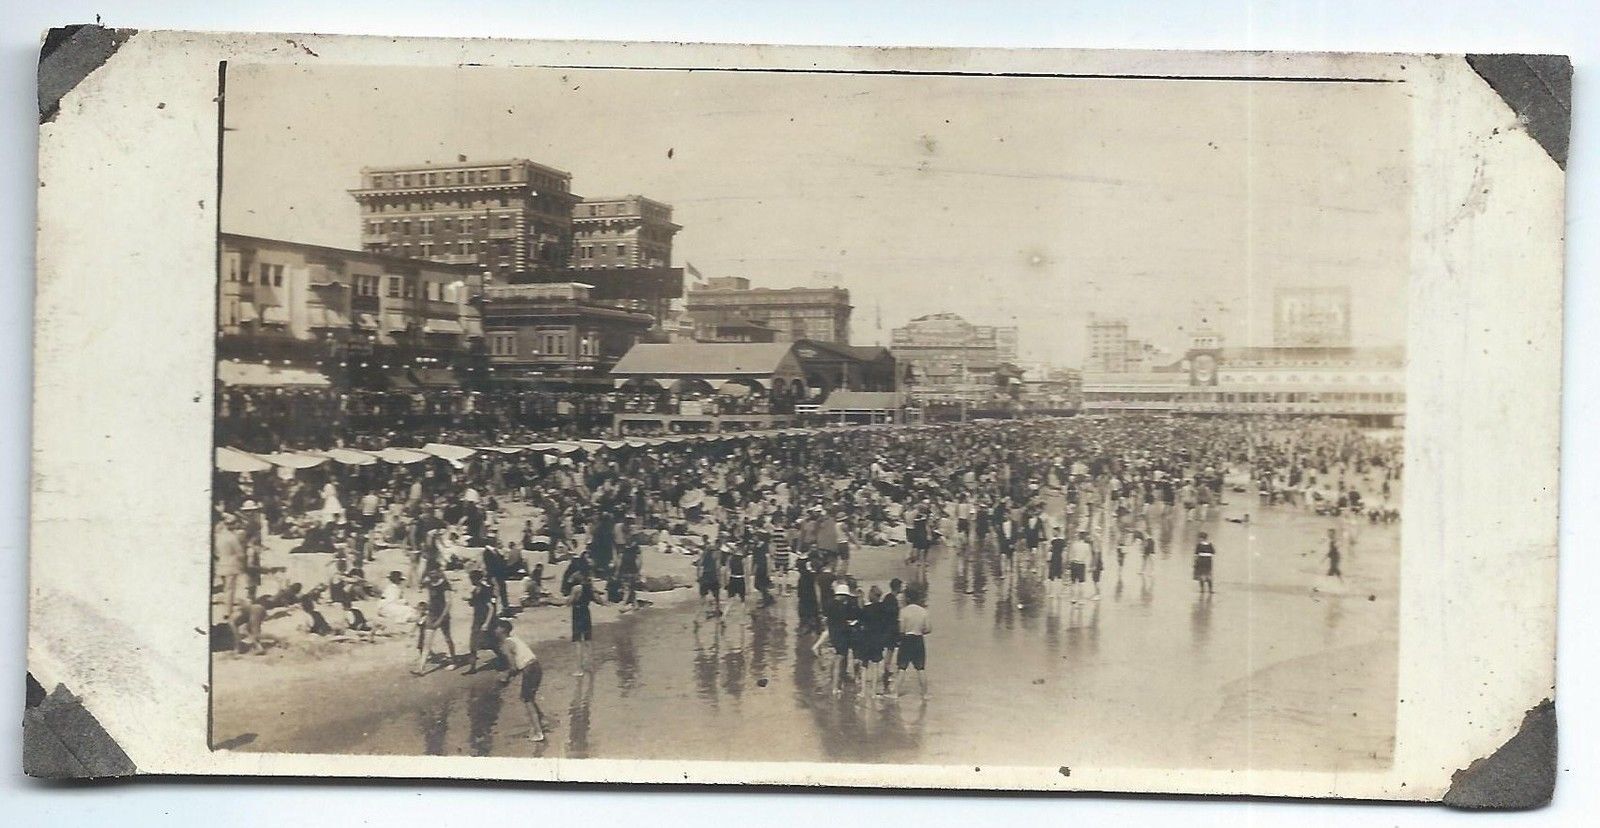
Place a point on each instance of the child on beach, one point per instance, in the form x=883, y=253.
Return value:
x=520, y=661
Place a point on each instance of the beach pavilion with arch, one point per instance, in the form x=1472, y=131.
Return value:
x=707, y=369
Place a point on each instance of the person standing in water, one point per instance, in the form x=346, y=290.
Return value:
x=1053, y=571
x=709, y=571
x=807, y=603
x=733, y=564
x=1204, y=552
x=520, y=661
x=1333, y=555
x=484, y=609
x=1078, y=554
x=436, y=619
x=761, y=568
x=583, y=594
x=914, y=630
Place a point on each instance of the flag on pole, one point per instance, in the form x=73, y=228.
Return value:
x=693, y=272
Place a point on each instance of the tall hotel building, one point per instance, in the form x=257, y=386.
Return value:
x=512, y=219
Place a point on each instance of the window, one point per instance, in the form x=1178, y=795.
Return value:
x=394, y=287
x=505, y=221
x=410, y=289
x=553, y=343
x=405, y=227
x=503, y=344
x=432, y=292
x=232, y=268
x=270, y=274
x=448, y=224
x=505, y=174
x=425, y=227
x=425, y=250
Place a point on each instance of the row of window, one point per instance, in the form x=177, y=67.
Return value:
x=589, y=251
x=424, y=227
x=645, y=237
x=399, y=287
x=270, y=275
x=435, y=206
x=618, y=209
x=548, y=343
x=623, y=208
x=427, y=250
x=266, y=274
x=434, y=179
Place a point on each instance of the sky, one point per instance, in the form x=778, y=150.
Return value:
x=1011, y=201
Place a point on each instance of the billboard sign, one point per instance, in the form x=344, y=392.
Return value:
x=1312, y=317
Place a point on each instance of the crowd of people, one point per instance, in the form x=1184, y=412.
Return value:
x=772, y=515
x=268, y=419
x=287, y=418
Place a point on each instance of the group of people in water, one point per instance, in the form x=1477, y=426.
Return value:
x=770, y=516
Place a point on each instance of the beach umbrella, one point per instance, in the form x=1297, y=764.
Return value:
x=402, y=455
x=239, y=462
x=350, y=457
x=294, y=460
x=445, y=451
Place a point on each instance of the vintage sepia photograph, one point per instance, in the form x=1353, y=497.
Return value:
x=833, y=417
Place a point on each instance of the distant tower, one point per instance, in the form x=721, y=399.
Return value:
x=1108, y=345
